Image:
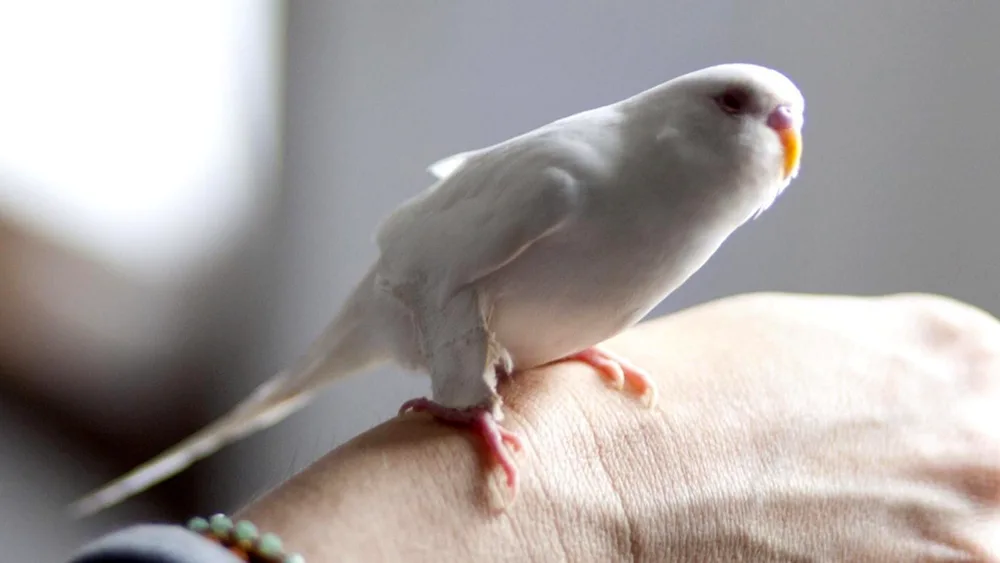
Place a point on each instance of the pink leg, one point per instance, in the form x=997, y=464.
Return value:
x=482, y=422
x=620, y=371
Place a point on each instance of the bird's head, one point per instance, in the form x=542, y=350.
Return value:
x=744, y=121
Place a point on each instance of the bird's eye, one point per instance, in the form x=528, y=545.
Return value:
x=733, y=101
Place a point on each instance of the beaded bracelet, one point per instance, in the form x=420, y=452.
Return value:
x=241, y=539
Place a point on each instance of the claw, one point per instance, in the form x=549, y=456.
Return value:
x=620, y=371
x=484, y=423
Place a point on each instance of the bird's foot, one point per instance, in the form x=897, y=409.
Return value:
x=481, y=421
x=619, y=371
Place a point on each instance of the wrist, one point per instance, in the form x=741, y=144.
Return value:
x=406, y=485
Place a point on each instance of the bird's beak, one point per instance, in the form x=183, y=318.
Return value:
x=789, y=128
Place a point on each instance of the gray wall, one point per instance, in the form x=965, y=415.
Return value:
x=897, y=191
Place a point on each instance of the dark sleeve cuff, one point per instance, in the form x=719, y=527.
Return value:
x=153, y=543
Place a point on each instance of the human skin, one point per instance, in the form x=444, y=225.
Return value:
x=789, y=428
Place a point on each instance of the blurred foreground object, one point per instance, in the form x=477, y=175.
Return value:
x=139, y=150
x=133, y=164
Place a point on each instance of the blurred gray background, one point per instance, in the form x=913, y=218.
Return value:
x=188, y=190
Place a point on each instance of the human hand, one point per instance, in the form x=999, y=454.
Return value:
x=789, y=428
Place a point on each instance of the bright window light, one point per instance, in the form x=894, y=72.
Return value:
x=129, y=129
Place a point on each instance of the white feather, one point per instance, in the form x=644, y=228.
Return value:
x=449, y=165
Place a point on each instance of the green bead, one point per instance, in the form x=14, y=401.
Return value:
x=198, y=524
x=269, y=545
x=293, y=558
x=220, y=525
x=245, y=531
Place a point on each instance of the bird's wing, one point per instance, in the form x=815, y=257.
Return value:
x=480, y=216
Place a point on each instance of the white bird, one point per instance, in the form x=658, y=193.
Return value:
x=536, y=250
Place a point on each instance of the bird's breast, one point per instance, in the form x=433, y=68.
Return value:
x=591, y=280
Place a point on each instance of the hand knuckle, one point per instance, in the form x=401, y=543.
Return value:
x=950, y=318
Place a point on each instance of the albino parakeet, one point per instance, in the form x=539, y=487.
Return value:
x=536, y=250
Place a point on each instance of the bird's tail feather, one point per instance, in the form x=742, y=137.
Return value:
x=264, y=408
x=353, y=341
